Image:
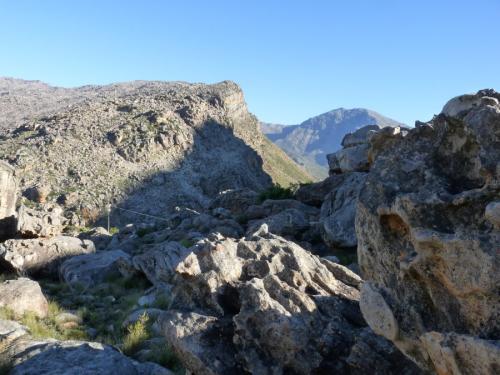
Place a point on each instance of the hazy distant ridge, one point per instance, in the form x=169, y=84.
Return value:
x=309, y=142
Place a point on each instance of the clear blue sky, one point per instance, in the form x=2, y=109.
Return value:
x=294, y=59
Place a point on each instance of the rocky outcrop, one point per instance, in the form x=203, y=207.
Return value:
x=74, y=357
x=348, y=172
x=427, y=228
x=39, y=223
x=237, y=200
x=338, y=210
x=42, y=255
x=146, y=146
x=235, y=300
x=357, y=153
x=90, y=269
x=23, y=295
x=8, y=191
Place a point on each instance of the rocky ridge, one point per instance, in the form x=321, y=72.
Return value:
x=146, y=146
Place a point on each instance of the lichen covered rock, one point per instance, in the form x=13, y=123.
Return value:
x=428, y=239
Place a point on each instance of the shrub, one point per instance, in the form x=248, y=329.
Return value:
x=186, y=243
x=137, y=333
x=114, y=230
x=277, y=192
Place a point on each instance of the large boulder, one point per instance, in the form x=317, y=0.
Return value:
x=41, y=255
x=313, y=194
x=338, y=210
x=427, y=228
x=33, y=223
x=349, y=159
x=361, y=147
x=23, y=295
x=159, y=263
x=54, y=357
x=264, y=305
x=90, y=269
x=8, y=195
x=289, y=222
x=235, y=200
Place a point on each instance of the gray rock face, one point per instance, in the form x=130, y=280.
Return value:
x=314, y=194
x=8, y=191
x=237, y=201
x=11, y=330
x=264, y=305
x=338, y=210
x=33, y=223
x=349, y=159
x=274, y=206
x=89, y=269
x=159, y=263
x=42, y=255
x=428, y=239
x=22, y=296
x=288, y=222
x=74, y=358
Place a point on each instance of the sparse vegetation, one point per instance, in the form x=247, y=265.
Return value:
x=47, y=327
x=278, y=192
x=114, y=230
x=186, y=243
x=137, y=333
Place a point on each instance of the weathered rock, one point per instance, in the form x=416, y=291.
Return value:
x=42, y=255
x=264, y=305
x=314, y=194
x=74, y=357
x=10, y=331
x=362, y=147
x=33, y=223
x=290, y=222
x=186, y=220
x=8, y=194
x=237, y=200
x=159, y=263
x=99, y=236
x=23, y=295
x=275, y=206
x=360, y=136
x=349, y=159
x=338, y=210
x=89, y=269
x=428, y=240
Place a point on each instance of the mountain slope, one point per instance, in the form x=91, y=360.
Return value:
x=309, y=142
x=148, y=146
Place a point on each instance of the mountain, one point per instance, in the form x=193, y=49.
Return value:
x=147, y=146
x=310, y=142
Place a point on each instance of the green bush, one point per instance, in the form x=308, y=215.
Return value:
x=186, y=243
x=278, y=192
x=137, y=333
x=114, y=230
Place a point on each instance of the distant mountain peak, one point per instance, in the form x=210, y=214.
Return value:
x=309, y=142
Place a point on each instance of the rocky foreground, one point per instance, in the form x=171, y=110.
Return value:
x=269, y=282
